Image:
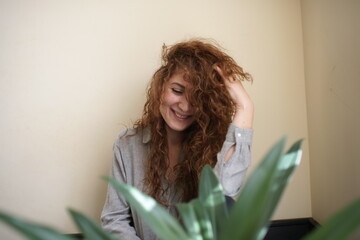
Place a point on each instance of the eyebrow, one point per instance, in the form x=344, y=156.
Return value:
x=178, y=84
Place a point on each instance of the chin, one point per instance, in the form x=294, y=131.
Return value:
x=177, y=128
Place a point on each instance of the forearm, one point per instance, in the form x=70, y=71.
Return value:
x=244, y=115
x=231, y=171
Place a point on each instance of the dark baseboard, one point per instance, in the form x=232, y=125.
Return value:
x=290, y=229
x=76, y=235
x=287, y=229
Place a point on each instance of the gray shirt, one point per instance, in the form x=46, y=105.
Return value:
x=130, y=155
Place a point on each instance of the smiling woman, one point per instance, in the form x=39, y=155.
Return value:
x=175, y=109
x=197, y=113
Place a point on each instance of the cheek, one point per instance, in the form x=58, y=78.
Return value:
x=162, y=111
x=163, y=105
x=168, y=99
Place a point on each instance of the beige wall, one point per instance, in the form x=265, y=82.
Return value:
x=332, y=63
x=73, y=73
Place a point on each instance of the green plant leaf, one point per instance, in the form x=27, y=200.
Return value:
x=286, y=167
x=159, y=220
x=248, y=209
x=189, y=220
x=250, y=215
x=32, y=231
x=203, y=217
x=212, y=197
x=90, y=229
x=340, y=226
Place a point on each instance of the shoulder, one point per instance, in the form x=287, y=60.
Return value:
x=127, y=132
x=131, y=152
x=130, y=137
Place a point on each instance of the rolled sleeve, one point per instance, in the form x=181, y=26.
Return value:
x=232, y=173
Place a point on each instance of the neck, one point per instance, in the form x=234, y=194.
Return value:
x=174, y=138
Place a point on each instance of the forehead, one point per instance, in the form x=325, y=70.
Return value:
x=178, y=79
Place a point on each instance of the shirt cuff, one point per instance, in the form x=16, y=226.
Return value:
x=236, y=134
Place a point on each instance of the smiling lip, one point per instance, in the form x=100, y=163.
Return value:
x=180, y=116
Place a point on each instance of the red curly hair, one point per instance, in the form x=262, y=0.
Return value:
x=213, y=106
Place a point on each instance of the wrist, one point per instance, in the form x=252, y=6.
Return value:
x=243, y=116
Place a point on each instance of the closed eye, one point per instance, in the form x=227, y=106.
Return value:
x=177, y=91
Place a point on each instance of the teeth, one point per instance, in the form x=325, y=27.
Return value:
x=180, y=116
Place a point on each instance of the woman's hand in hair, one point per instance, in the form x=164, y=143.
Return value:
x=243, y=117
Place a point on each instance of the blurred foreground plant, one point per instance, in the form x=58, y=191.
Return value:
x=207, y=217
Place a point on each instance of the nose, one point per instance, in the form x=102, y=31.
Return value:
x=184, y=105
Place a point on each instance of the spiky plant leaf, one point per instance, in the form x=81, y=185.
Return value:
x=340, y=226
x=212, y=197
x=203, y=217
x=32, y=231
x=251, y=213
x=190, y=220
x=159, y=220
x=245, y=215
x=286, y=167
x=90, y=229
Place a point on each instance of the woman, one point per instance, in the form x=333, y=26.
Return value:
x=197, y=113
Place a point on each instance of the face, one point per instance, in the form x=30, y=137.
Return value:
x=175, y=109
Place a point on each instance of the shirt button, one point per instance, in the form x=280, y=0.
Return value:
x=239, y=134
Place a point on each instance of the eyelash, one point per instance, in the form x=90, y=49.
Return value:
x=177, y=91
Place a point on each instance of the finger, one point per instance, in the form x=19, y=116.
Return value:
x=221, y=73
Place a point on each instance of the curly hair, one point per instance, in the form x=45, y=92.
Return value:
x=213, y=107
